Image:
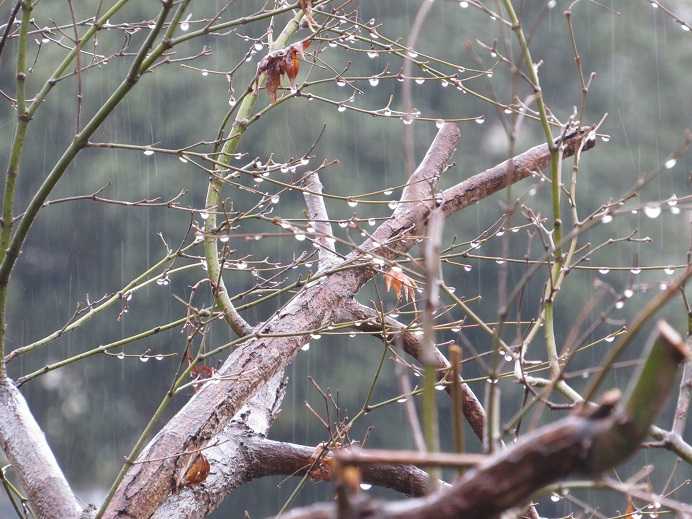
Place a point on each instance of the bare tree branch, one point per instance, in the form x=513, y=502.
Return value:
x=26, y=448
x=589, y=442
x=352, y=310
x=317, y=212
x=274, y=344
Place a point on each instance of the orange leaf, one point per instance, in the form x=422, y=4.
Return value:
x=197, y=471
x=398, y=282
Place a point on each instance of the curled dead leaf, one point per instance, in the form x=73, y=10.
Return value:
x=277, y=63
x=399, y=283
x=197, y=470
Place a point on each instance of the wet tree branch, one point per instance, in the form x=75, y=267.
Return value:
x=588, y=442
x=26, y=448
x=256, y=361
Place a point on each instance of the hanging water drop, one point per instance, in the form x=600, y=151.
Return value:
x=305, y=347
x=479, y=120
x=607, y=218
x=652, y=210
x=185, y=24
x=148, y=152
x=374, y=81
x=670, y=163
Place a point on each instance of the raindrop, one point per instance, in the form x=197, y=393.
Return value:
x=662, y=286
x=372, y=54
x=299, y=236
x=120, y=356
x=456, y=329
x=159, y=357
x=515, y=229
x=439, y=387
x=652, y=210
x=673, y=200
x=419, y=81
x=185, y=24
x=628, y=293
x=439, y=123
x=352, y=203
x=305, y=347
x=607, y=218
x=412, y=54
x=467, y=268
x=241, y=265
x=343, y=224
x=144, y=358
x=387, y=112
x=182, y=159
x=258, y=46
x=401, y=400
x=675, y=210
x=463, y=5
x=480, y=120
x=393, y=204
x=407, y=120
x=619, y=304
x=552, y=4
x=374, y=81
x=352, y=335
x=507, y=111
x=340, y=82
x=224, y=238
x=500, y=232
x=670, y=163
x=315, y=336
x=669, y=271
x=499, y=261
x=204, y=214
x=509, y=357
x=341, y=108
x=275, y=199
x=554, y=497
x=365, y=486
x=475, y=245
x=444, y=83
x=371, y=222
x=388, y=192
x=654, y=4
x=610, y=338
x=684, y=26
x=163, y=281
x=636, y=271
x=148, y=152
x=205, y=72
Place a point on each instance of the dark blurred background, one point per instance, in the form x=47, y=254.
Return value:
x=93, y=411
